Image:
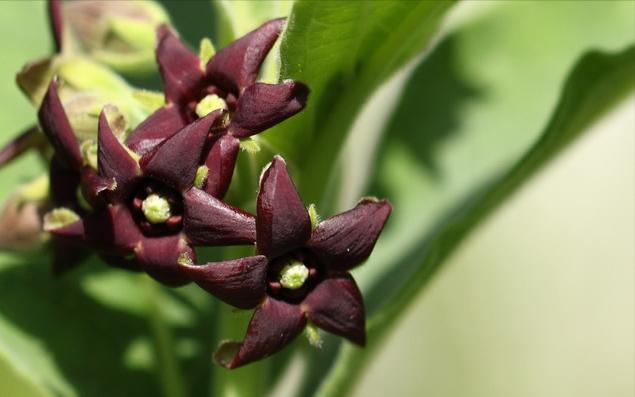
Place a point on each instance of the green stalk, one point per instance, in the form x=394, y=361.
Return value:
x=169, y=373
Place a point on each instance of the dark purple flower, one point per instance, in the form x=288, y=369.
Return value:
x=228, y=81
x=146, y=213
x=305, y=275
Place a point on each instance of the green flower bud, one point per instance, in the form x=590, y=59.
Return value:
x=210, y=103
x=120, y=33
x=59, y=218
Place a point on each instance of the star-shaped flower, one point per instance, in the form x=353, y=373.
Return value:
x=305, y=275
x=146, y=212
x=225, y=84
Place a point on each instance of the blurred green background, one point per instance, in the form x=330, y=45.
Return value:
x=538, y=302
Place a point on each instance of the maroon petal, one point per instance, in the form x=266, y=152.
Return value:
x=29, y=139
x=114, y=161
x=93, y=185
x=264, y=105
x=347, y=239
x=236, y=66
x=209, y=221
x=161, y=125
x=159, y=257
x=58, y=129
x=175, y=161
x=221, y=161
x=57, y=23
x=273, y=326
x=112, y=230
x=336, y=305
x=64, y=183
x=73, y=232
x=180, y=68
x=283, y=222
x=240, y=282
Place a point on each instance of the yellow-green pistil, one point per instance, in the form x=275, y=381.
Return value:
x=156, y=209
x=293, y=275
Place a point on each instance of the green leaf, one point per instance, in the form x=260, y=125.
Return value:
x=343, y=51
x=597, y=82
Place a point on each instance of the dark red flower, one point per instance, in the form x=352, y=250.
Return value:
x=228, y=80
x=146, y=213
x=305, y=275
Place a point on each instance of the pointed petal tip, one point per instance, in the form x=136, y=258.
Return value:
x=282, y=221
x=226, y=355
x=239, y=282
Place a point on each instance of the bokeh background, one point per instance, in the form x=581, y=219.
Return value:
x=539, y=301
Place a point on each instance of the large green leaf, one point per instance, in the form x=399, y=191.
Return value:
x=342, y=51
x=597, y=82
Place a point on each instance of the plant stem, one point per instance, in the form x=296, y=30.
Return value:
x=170, y=377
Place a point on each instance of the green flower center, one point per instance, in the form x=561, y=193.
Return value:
x=210, y=103
x=293, y=275
x=156, y=209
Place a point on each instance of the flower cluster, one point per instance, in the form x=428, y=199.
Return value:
x=145, y=202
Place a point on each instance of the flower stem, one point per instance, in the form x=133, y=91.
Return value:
x=170, y=377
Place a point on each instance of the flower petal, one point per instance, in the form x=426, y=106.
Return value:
x=236, y=66
x=159, y=256
x=264, y=105
x=273, y=326
x=162, y=124
x=112, y=230
x=240, y=282
x=209, y=221
x=221, y=161
x=93, y=186
x=114, y=161
x=347, y=239
x=336, y=305
x=175, y=161
x=282, y=222
x=180, y=68
x=58, y=130
x=64, y=183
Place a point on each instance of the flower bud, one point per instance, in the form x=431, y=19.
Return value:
x=120, y=34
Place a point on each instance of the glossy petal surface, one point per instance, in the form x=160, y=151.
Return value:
x=221, y=160
x=209, y=221
x=162, y=124
x=283, y=222
x=180, y=68
x=175, y=161
x=58, y=130
x=112, y=230
x=239, y=282
x=159, y=256
x=236, y=66
x=347, y=239
x=114, y=161
x=264, y=105
x=336, y=305
x=274, y=325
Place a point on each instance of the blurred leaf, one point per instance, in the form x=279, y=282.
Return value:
x=241, y=17
x=466, y=115
x=597, y=82
x=343, y=51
